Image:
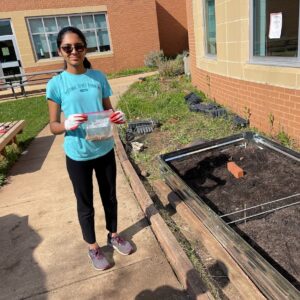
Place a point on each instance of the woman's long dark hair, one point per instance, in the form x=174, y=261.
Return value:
x=75, y=30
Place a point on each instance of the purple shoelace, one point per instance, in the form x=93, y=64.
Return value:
x=119, y=240
x=97, y=253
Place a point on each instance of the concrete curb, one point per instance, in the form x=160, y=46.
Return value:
x=179, y=261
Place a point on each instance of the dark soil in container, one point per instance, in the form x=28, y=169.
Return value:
x=268, y=176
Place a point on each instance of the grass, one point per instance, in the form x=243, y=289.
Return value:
x=35, y=112
x=163, y=100
x=130, y=72
x=284, y=139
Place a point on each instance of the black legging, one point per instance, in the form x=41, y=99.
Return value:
x=80, y=173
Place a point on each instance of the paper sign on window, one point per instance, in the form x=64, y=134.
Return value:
x=5, y=51
x=275, y=25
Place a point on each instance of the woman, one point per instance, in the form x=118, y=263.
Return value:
x=79, y=90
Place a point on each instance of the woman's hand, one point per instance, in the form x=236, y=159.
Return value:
x=74, y=121
x=117, y=117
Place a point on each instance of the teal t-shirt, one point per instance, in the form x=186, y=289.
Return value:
x=81, y=93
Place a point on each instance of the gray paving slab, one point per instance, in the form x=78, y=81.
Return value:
x=42, y=255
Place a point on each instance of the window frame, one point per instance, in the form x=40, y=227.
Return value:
x=279, y=61
x=45, y=33
x=205, y=26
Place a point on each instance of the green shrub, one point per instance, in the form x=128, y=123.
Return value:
x=182, y=55
x=171, y=68
x=153, y=58
x=283, y=138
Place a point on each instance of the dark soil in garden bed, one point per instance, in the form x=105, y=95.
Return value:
x=268, y=176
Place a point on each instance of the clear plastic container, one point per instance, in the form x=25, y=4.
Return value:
x=98, y=126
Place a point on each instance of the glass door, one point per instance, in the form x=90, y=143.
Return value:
x=10, y=63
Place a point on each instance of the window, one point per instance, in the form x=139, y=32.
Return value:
x=44, y=30
x=210, y=27
x=276, y=29
x=5, y=28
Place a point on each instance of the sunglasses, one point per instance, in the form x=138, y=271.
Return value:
x=69, y=48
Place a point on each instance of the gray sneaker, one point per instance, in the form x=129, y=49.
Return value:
x=98, y=259
x=119, y=244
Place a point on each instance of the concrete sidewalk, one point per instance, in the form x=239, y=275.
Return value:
x=42, y=255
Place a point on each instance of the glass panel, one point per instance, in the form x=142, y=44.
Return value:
x=7, y=51
x=62, y=22
x=284, y=41
x=210, y=27
x=91, y=41
x=50, y=24
x=76, y=22
x=88, y=21
x=53, y=45
x=5, y=28
x=36, y=25
x=259, y=28
x=103, y=37
x=11, y=71
x=100, y=21
x=40, y=45
x=104, y=48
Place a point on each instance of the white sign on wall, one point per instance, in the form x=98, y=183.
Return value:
x=5, y=51
x=275, y=25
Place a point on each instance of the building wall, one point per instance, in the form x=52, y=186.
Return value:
x=132, y=25
x=172, y=26
x=246, y=88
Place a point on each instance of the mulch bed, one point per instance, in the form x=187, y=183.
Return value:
x=268, y=176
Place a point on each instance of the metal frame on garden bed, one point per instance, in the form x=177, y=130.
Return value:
x=272, y=284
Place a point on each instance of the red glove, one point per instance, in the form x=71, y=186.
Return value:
x=117, y=117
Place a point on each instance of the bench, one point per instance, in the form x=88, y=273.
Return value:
x=23, y=80
x=8, y=133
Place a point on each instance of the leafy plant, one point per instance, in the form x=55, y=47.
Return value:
x=153, y=58
x=283, y=138
x=12, y=155
x=179, y=126
x=271, y=121
x=171, y=68
x=247, y=113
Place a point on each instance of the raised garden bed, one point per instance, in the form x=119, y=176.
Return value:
x=255, y=217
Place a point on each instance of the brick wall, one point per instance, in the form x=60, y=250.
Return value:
x=241, y=96
x=172, y=26
x=133, y=30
